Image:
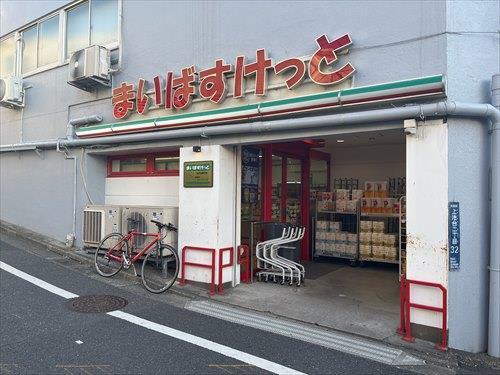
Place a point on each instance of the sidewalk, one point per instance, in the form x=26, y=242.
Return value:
x=454, y=360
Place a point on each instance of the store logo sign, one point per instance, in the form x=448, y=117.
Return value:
x=198, y=174
x=175, y=92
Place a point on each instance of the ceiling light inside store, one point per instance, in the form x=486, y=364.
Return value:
x=340, y=141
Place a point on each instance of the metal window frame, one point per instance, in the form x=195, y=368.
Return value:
x=19, y=54
x=150, y=165
x=62, y=48
x=15, y=36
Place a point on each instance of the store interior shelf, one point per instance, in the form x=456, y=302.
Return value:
x=337, y=212
x=379, y=260
x=373, y=214
x=334, y=255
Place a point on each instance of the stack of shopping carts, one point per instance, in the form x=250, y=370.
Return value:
x=275, y=267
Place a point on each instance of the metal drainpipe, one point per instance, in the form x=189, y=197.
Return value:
x=494, y=308
x=70, y=128
x=70, y=131
x=70, y=238
x=378, y=115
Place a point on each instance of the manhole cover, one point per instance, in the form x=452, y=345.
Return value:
x=96, y=303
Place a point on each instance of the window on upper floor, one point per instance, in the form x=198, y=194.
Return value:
x=40, y=44
x=7, y=56
x=93, y=22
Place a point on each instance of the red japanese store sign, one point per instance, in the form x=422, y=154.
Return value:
x=177, y=92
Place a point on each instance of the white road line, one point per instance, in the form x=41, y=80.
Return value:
x=36, y=281
x=180, y=335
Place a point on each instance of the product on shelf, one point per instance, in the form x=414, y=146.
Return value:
x=365, y=250
x=380, y=189
x=366, y=225
x=341, y=205
x=342, y=194
x=390, y=240
x=366, y=205
x=369, y=189
x=351, y=205
x=342, y=237
x=357, y=194
x=325, y=206
x=365, y=238
x=378, y=226
x=352, y=238
x=327, y=196
x=376, y=205
x=335, y=226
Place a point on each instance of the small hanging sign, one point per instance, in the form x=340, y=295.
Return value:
x=454, y=235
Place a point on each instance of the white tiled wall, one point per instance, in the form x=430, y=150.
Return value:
x=147, y=191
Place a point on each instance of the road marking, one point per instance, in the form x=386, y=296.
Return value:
x=204, y=343
x=36, y=281
x=180, y=335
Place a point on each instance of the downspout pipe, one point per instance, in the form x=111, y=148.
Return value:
x=70, y=238
x=448, y=108
x=494, y=307
x=70, y=128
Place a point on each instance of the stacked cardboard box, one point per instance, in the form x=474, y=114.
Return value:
x=331, y=240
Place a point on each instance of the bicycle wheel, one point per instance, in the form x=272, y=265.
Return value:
x=160, y=269
x=111, y=247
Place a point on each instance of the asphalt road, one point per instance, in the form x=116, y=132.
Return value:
x=39, y=334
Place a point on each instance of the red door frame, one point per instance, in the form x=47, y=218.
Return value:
x=296, y=150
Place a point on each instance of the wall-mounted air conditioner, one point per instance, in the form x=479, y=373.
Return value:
x=11, y=92
x=99, y=221
x=89, y=68
x=142, y=216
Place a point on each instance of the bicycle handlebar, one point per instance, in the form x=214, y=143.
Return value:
x=169, y=226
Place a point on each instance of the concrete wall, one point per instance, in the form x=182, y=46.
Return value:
x=207, y=216
x=37, y=191
x=427, y=216
x=145, y=191
x=473, y=54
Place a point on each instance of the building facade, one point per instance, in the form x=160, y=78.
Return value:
x=332, y=74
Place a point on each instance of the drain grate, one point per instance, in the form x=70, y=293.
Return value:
x=99, y=303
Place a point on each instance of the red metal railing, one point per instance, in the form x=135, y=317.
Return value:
x=244, y=261
x=211, y=266
x=406, y=306
x=220, y=289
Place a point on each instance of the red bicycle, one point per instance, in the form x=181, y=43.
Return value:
x=160, y=266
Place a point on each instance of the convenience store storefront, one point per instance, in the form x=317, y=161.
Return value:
x=273, y=172
x=385, y=98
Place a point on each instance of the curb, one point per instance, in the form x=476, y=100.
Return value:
x=73, y=253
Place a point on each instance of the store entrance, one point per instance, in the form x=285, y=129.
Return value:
x=346, y=192
x=275, y=188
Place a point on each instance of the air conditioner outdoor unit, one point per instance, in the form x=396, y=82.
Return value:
x=11, y=92
x=89, y=68
x=99, y=221
x=143, y=215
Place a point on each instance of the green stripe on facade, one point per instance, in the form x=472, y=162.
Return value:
x=273, y=103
